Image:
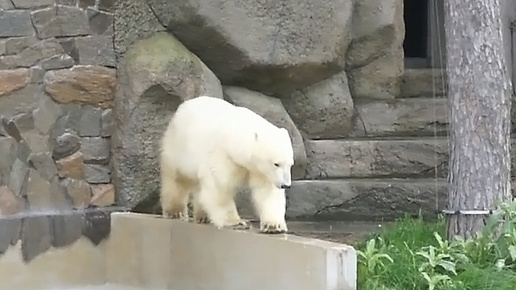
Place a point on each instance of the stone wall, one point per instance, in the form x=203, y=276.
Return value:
x=57, y=83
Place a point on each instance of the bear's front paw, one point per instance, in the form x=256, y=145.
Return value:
x=273, y=228
x=175, y=215
x=202, y=220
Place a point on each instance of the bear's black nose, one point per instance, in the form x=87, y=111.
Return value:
x=284, y=186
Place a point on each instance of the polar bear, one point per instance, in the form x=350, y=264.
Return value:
x=211, y=148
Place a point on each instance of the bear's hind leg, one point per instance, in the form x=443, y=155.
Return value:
x=174, y=196
x=234, y=219
x=270, y=204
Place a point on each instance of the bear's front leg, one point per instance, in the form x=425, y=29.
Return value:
x=270, y=203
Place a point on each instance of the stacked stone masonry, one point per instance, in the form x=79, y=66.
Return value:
x=57, y=83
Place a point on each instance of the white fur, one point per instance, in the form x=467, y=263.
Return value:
x=211, y=148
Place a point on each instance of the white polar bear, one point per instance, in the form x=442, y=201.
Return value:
x=210, y=149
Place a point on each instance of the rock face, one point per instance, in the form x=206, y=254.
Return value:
x=155, y=76
x=324, y=109
x=272, y=110
x=268, y=46
x=376, y=49
x=12, y=80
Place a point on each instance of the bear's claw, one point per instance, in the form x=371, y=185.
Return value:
x=239, y=226
x=202, y=220
x=268, y=228
x=177, y=215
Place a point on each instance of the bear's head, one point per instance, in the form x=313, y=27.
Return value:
x=274, y=157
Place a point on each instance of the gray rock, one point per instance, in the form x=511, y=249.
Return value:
x=134, y=21
x=96, y=50
x=79, y=192
x=18, y=178
x=272, y=110
x=11, y=129
x=24, y=121
x=95, y=173
x=8, y=155
x=405, y=117
x=331, y=159
x=323, y=110
x=59, y=21
x=378, y=28
x=36, y=237
x=43, y=195
x=26, y=4
x=107, y=123
x=65, y=145
x=424, y=83
x=275, y=50
x=21, y=101
x=101, y=23
x=36, y=75
x=23, y=151
x=6, y=4
x=364, y=199
x=66, y=229
x=57, y=62
x=44, y=164
x=95, y=149
x=107, y=5
x=86, y=3
x=66, y=2
x=149, y=92
x=386, y=83
x=2, y=46
x=36, y=142
x=90, y=121
x=46, y=115
x=16, y=45
x=32, y=55
x=9, y=233
x=69, y=47
x=15, y=23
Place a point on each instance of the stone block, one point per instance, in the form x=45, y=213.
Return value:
x=8, y=155
x=9, y=204
x=364, y=199
x=71, y=166
x=36, y=236
x=36, y=74
x=65, y=145
x=331, y=159
x=44, y=164
x=403, y=117
x=107, y=123
x=6, y=5
x=46, y=114
x=9, y=233
x=96, y=225
x=272, y=110
x=13, y=80
x=29, y=4
x=57, y=62
x=18, y=178
x=24, y=121
x=95, y=173
x=16, y=45
x=312, y=264
x=60, y=21
x=24, y=100
x=101, y=23
x=103, y=194
x=69, y=47
x=107, y=5
x=90, y=121
x=15, y=23
x=267, y=60
x=79, y=191
x=86, y=3
x=94, y=85
x=95, y=149
x=66, y=229
x=424, y=83
x=323, y=110
x=32, y=55
x=43, y=195
x=96, y=50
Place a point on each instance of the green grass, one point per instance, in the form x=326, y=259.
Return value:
x=391, y=260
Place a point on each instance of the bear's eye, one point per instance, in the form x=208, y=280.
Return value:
x=276, y=164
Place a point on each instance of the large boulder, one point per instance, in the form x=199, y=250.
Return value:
x=324, y=109
x=154, y=77
x=270, y=46
x=376, y=49
x=272, y=109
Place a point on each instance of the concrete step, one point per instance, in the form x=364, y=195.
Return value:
x=367, y=158
x=425, y=82
x=402, y=117
x=364, y=199
x=330, y=159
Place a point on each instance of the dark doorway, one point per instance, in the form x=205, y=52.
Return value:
x=415, y=14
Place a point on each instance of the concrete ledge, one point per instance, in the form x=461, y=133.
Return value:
x=151, y=252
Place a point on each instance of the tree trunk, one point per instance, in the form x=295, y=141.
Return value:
x=479, y=93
